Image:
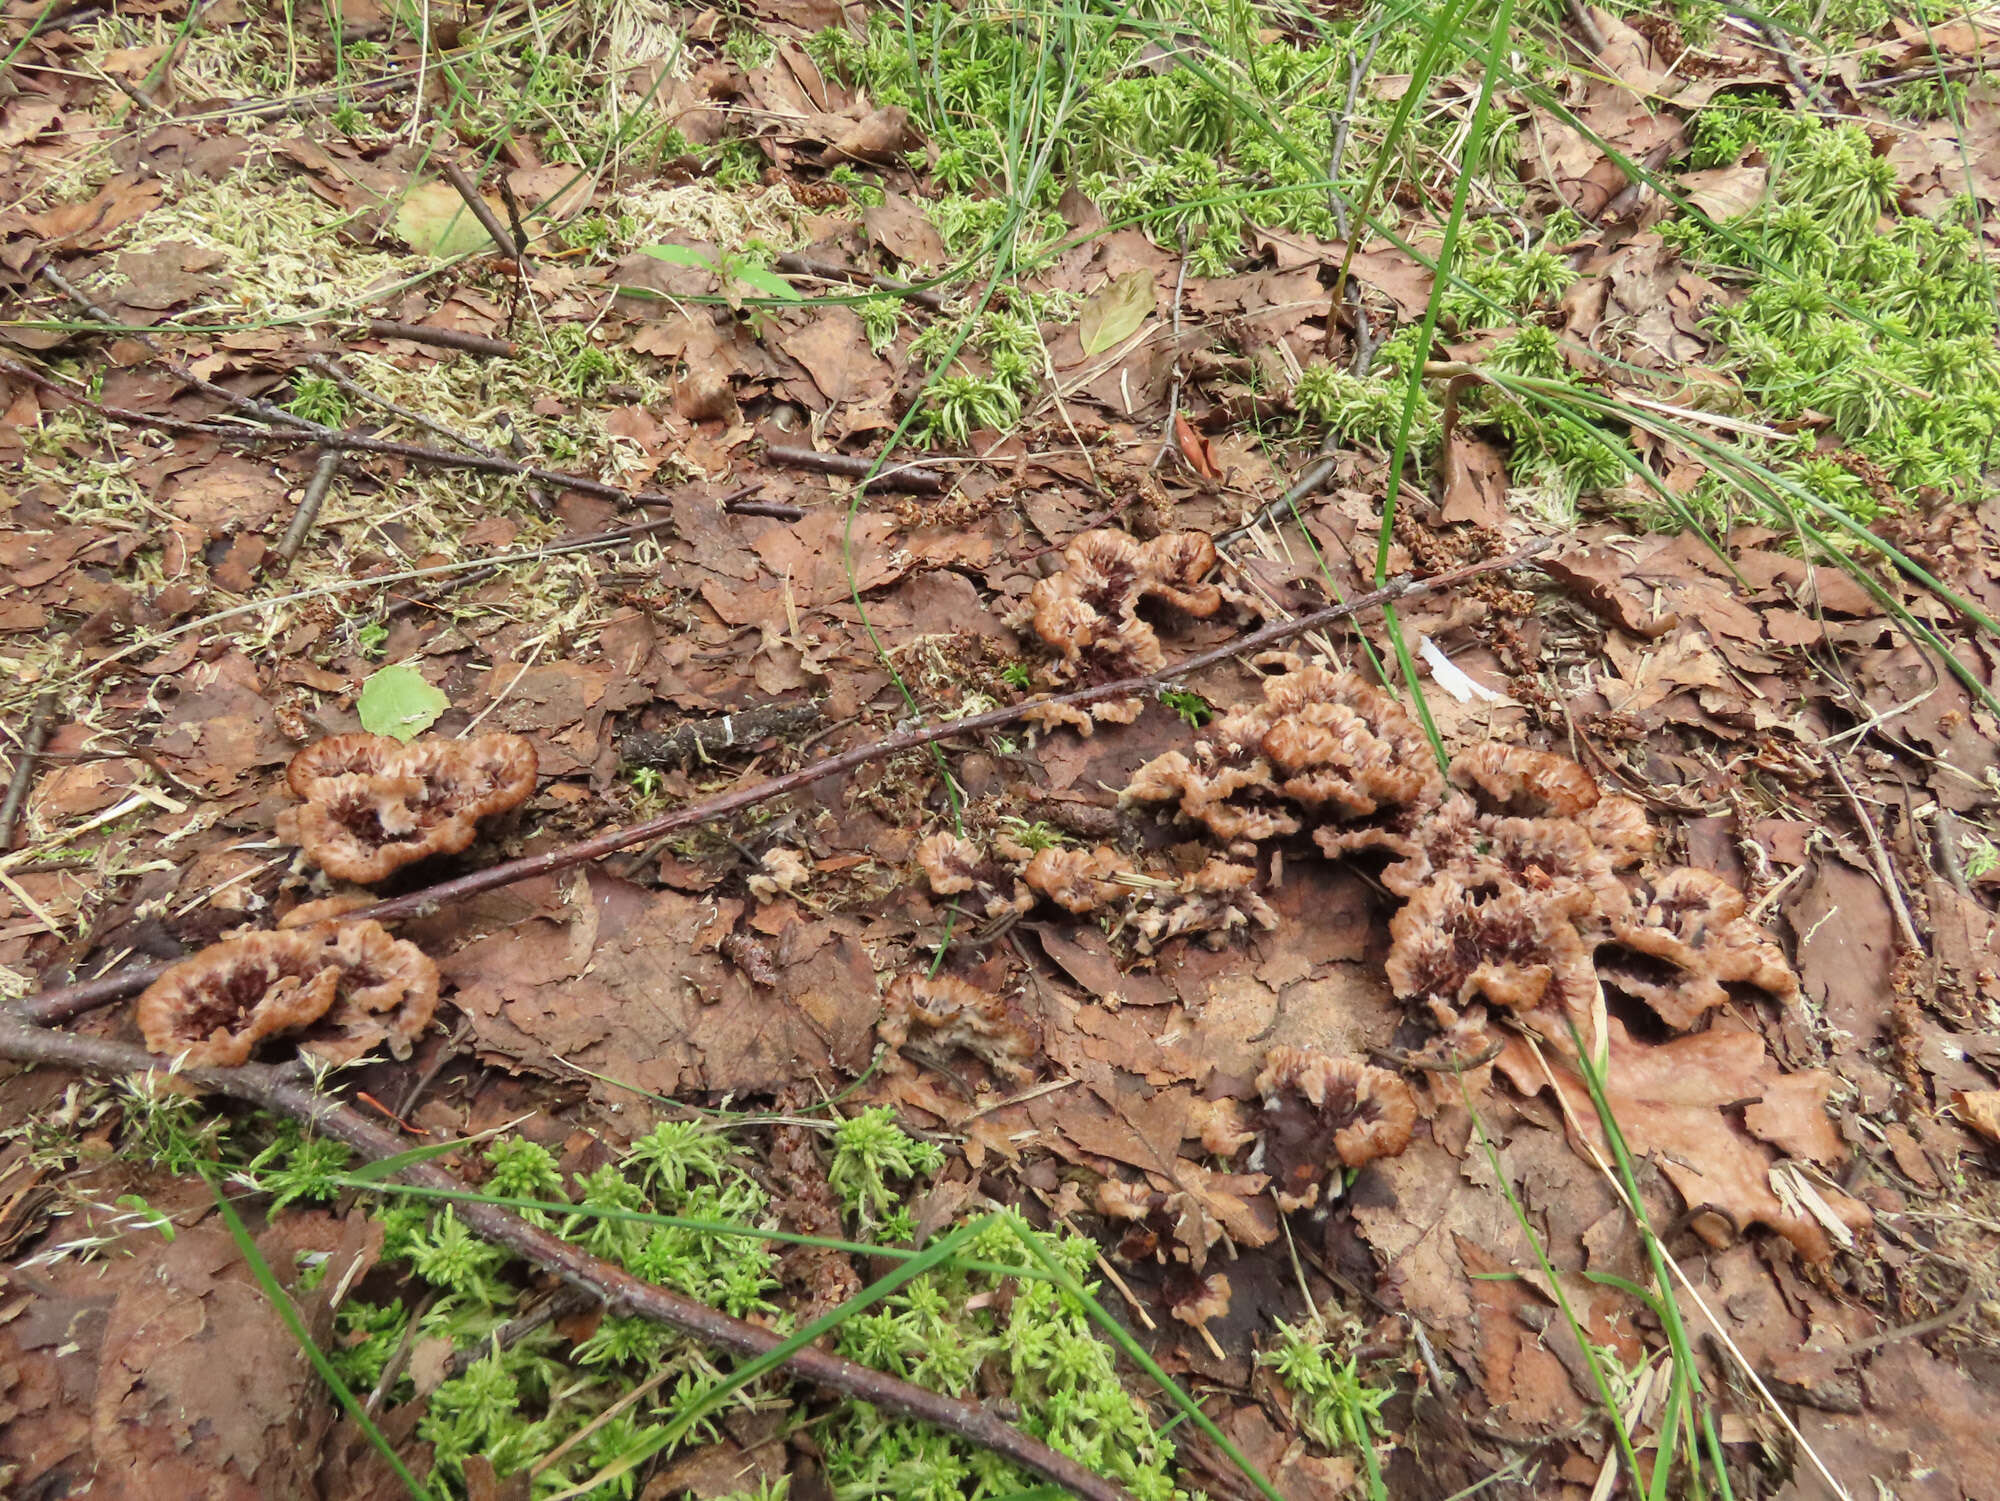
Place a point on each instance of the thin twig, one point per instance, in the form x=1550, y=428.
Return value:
x=910, y=477
x=622, y=1293
x=330, y=437
x=1885, y=872
x=52, y=1006
x=182, y=371
x=1356, y=74
x=483, y=212
x=32, y=741
x=1920, y=75
x=799, y=265
x=308, y=511
x=1169, y=438
x=443, y=338
x=331, y=370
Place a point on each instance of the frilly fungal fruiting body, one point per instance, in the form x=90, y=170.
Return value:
x=344, y=988
x=1323, y=747
x=372, y=804
x=1321, y=1113
x=940, y=1014
x=1088, y=612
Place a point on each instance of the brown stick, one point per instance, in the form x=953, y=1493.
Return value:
x=909, y=477
x=52, y=1006
x=36, y=736
x=247, y=404
x=800, y=265
x=483, y=212
x=308, y=511
x=621, y=1292
x=334, y=438
x=443, y=338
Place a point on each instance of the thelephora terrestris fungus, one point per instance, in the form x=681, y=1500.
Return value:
x=1321, y=1114
x=1088, y=612
x=1324, y=749
x=371, y=804
x=341, y=988
x=1130, y=895
x=934, y=1016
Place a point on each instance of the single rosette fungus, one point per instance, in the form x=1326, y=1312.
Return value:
x=345, y=988
x=372, y=804
x=388, y=992
x=1686, y=941
x=1322, y=1114
x=933, y=1016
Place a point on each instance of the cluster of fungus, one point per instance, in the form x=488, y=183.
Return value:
x=371, y=804
x=340, y=988
x=1089, y=613
x=1150, y=904
x=1518, y=874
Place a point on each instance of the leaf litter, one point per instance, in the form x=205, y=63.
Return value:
x=729, y=273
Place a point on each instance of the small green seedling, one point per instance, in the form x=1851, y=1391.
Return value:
x=740, y=274
x=1191, y=706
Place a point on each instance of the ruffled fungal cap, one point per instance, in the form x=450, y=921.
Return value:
x=1322, y=1112
x=950, y=863
x=940, y=1014
x=373, y=804
x=1214, y=901
x=1515, y=779
x=1075, y=880
x=1516, y=948
x=1686, y=941
x=346, y=987
x=1088, y=612
x=214, y=1007
x=1322, y=744
x=388, y=992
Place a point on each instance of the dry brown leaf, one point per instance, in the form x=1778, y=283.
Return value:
x=877, y=136
x=1726, y=192
x=1979, y=1109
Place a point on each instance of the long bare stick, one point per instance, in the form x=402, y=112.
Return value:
x=279, y=1091
x=52, y=1006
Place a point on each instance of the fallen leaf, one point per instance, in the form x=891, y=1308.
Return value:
x=1115, y=312
x=398, y=701
x=876, y=137
x=1194, y=448
x=1979, y=1109
x=1726, y=192
x=433, y=220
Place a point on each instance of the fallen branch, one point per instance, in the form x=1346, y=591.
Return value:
x=279, y=1091
x=910, y=477
x=32, y=741
x=489, y=221
x=52, y=1006
x=799, y=265
x=443, y=338
x=316, y=433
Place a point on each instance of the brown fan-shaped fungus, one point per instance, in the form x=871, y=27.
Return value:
x=346, y=987
x=372, y=804
x=1088, y=612
x=388, y=992
x=1075, y=880
x=1687, y=939
x=1323, y=747
x=1515, y=779
x=1321, y=1113
x=939, y=1014
x=214, y=1007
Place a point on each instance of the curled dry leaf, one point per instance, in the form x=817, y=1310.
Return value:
x=372, y=804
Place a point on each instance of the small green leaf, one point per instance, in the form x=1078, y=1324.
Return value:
x=1114, y=312
x=397, y=701
x=680, y=255
x=765, y=283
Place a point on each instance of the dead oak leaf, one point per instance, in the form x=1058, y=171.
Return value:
x=1669, y=1100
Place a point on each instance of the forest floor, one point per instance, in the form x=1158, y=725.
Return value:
x=754, y=422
